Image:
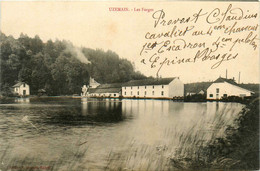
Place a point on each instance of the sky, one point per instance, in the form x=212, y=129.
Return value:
x=93, y=25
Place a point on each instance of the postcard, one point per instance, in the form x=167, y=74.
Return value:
x=170, y=85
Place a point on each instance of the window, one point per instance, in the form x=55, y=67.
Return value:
x=145, y=93
x=23, y=85
x=162, y=93
x=125, y=93
x=211, y=95
x=153, y=92
x=217, y=90
x=145, y=87
x=153, y=87
x=131, y=93
x=224, y=95
x=138, y=87
x=138, y=93
x=162, y=86
x=114, y=95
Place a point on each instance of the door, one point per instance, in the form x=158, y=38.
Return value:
x=24, y=92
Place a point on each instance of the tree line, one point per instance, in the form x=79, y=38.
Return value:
x=58, y=67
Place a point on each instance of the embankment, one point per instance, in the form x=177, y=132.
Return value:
x=238, y=149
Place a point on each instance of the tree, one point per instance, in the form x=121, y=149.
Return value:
x=58, y=67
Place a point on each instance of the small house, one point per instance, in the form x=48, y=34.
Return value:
x=21, y=89
x=93, y=83
x=222, y=88
x=198, y=88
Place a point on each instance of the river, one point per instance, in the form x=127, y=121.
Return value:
x=110, y=134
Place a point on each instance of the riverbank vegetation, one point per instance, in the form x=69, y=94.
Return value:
x=238, y=149
x=69, y=160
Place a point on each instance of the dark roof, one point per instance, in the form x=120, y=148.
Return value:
x=230, y=81
x=251, y=87
x=150, y=81
x=18, y=84
x=112, y=85
x=221, y=80
x=106, y=88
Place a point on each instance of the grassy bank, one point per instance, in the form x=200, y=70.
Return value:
x=238, y=149
x=70, y=160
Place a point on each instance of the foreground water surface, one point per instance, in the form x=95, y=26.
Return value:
x=93, y=134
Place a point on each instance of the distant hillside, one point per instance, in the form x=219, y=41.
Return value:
x=252, y=87
x=108, y=67
x=196, y=87
x=58, y=67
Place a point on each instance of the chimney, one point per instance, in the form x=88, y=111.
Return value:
x=226, y=73
x=239, y=78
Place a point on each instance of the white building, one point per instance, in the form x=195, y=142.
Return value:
x=222, y=88
x=162, y=88
x=93, y=83
x=21, y=89
x=85, y=89
x=201, y=92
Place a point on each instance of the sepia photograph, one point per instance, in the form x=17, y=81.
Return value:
x=129, y=86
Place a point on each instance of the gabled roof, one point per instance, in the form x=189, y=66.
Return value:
x=251, y=86
x=150, y=81
x=106, y=88
x=230, y=81
x=19, y=84
x=112, y=85
x=221, y=80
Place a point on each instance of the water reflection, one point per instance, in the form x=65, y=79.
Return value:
x=102, y=110
x=86, y=112
x=150, y=107
x=22, y=100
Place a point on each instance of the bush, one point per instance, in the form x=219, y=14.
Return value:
x=195, y=98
